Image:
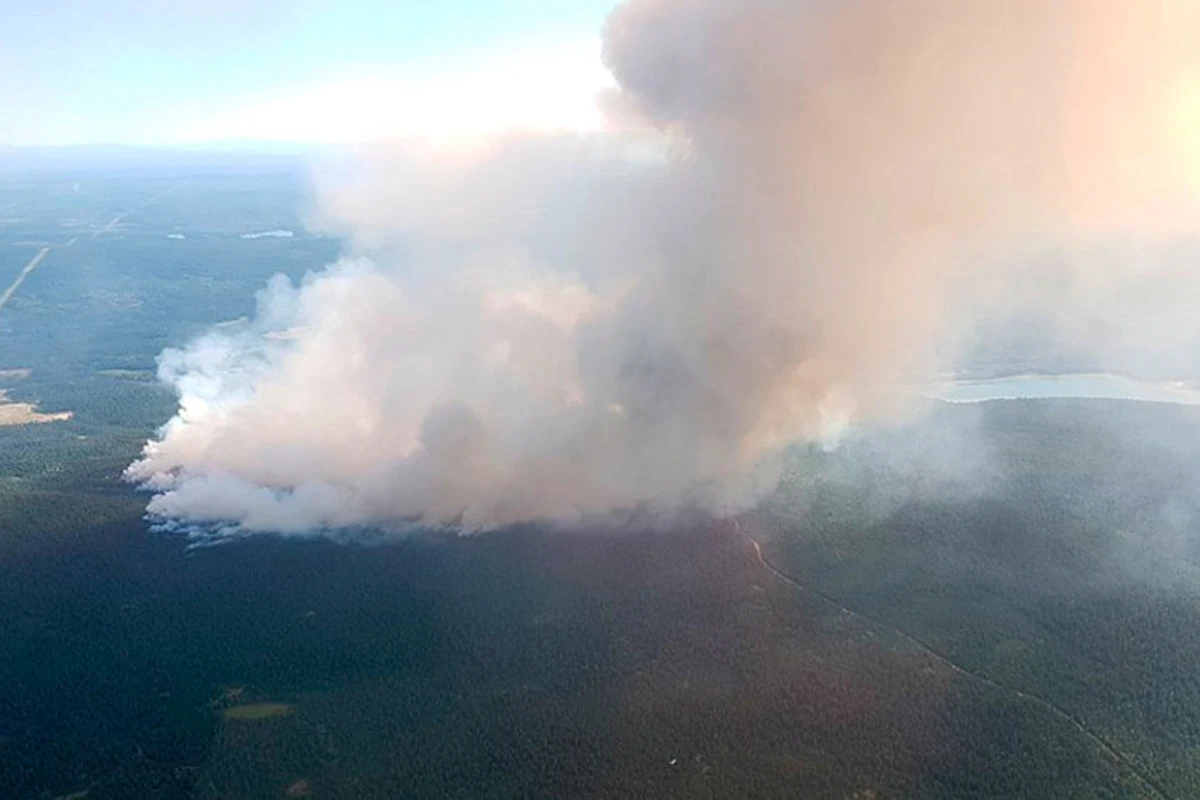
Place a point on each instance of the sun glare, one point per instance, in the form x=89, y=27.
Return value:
x=543, y=87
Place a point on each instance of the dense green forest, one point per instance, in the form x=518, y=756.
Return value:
x=1059, y=558
x=993, y=600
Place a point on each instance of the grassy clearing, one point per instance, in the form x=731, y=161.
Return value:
x=255, y=712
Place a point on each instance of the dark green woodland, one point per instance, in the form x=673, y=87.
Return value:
x=993, y=600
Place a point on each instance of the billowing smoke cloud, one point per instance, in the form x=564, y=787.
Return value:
x=762, y=251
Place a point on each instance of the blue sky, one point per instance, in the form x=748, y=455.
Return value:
x=163, y=72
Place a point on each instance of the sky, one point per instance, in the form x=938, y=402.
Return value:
x=153, y=72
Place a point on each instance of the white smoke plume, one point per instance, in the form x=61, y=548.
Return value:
x=761, y=251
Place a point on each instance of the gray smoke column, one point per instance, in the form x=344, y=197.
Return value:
x=761, y=252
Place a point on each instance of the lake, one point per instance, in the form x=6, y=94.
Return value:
x=1089, y=385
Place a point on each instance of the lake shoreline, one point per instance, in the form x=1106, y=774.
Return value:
x=1083, y=386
